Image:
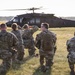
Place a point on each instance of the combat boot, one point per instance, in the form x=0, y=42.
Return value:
x=49, y=63
x=43, y=68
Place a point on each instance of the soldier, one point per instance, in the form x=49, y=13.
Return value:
x=7, y=42
x=45, y=42
x=28, y=38
x=71, y=54
x=20, y=29
x=19, y=36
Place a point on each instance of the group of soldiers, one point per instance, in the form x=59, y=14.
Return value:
x=12, y=45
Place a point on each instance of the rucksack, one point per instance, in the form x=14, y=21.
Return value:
x=47, y=41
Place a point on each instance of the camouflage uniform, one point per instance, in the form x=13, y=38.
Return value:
x=29, y=40
x=48, y=55
x=54, y=41
x=20, y=46
x=20, y=29
x=7, y=42
x=71, y=55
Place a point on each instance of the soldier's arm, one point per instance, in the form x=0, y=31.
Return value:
x=15, y=41
x=34, y=29
x=20, y=38
x=38, y=41
x=54, y=37
x=23, y=35
x=68, y=46
x=54, y=41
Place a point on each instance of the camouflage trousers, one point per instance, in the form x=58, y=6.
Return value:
x=29, y=44
x=5, y=55
x=20, y=52
x=71, y=60
x=31, y=50
x=48, y=56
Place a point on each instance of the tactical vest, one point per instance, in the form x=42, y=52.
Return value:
x=46, y=41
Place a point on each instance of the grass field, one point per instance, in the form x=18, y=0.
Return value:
x=2, y=22
x=30, y=65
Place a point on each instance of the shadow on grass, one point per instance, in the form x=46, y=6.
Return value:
x=39, y=72
x=3, y=70
x=17, y=66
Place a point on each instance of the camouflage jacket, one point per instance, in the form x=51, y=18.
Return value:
x=39, y=38
x=7, y=40
x=71, y=44
x=28, y=33
x=71, y=49
x=19, y=36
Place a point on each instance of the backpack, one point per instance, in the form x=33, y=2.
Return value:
x=47, y=41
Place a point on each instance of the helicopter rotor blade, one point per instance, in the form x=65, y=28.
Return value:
x=32, y=9
x=12, y=9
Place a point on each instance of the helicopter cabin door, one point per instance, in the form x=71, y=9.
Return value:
x=34, y=21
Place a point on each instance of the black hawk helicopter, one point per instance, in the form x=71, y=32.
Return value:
x=38, y=18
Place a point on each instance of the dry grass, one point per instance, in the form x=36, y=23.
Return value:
x=30, y=65
x=2, y=22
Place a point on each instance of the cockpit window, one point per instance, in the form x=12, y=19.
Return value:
x=15, y=19
x=11, y=19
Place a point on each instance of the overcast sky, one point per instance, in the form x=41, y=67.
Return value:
x=58, y=7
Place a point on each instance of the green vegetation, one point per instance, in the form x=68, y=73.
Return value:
x=30, y=65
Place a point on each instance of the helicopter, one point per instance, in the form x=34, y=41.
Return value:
x=38, y=18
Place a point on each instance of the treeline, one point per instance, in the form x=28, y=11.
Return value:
x=5, y=18
x=69, y=18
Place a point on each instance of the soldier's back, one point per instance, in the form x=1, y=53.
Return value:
x=27, y=34
x=46, y=40
x=71, y=42
x=18, y=35
x=5, y=39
